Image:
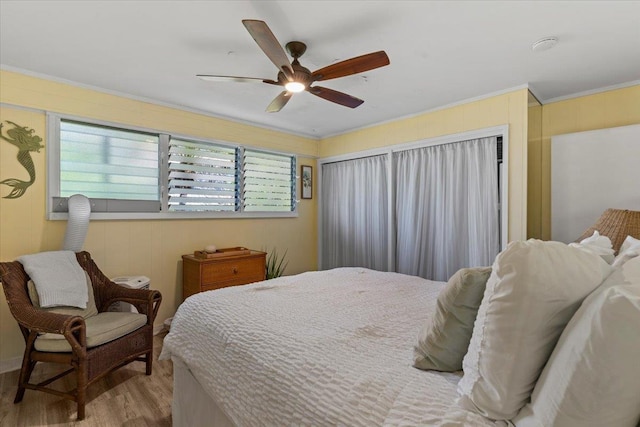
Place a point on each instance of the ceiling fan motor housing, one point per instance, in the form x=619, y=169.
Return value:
x=300, y=74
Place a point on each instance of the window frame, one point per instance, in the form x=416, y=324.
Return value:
x=53, y=177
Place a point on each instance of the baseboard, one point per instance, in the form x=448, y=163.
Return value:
x=15, y=363
x=9, y=365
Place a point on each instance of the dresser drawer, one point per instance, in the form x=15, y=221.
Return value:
x=237, y=271
x=200, y=274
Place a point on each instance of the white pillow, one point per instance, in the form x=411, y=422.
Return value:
x=593, y=376
x=599, y=245
x=631, y=270
x=630, y=248
x=630, y=243
x=534, y=289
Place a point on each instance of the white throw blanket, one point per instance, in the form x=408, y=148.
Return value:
x=59, y=279
x=319, y=348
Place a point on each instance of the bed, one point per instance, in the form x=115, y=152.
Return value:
x=319, y=348
x=547, y=336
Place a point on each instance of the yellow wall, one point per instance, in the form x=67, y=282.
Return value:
x=534, y=141
x=142, y=247
x=613, y=108
x=509, y=108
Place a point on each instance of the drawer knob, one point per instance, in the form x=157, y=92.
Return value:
x=235, y=270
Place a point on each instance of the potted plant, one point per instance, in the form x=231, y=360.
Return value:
x=276, y=264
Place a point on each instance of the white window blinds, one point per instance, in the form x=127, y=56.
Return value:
x=269, y=182
x=202, y=177
x=108, y=163
x=132, y=172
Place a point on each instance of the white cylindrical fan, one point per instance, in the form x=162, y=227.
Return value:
x=78, y=223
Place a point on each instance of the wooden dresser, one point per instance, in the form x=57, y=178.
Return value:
x=202, y=274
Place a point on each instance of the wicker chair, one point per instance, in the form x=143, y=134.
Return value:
x=87, y=363
x=616, y=224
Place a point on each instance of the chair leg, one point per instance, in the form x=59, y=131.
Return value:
x=25, y=374
x=149, y=362
x=81, y=391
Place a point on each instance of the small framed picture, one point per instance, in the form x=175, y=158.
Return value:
x=307, y=182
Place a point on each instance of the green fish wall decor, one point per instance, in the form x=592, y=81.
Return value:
x=23, y=138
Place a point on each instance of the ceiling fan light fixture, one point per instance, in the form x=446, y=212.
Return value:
x=295, y=87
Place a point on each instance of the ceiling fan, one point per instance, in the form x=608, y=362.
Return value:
x=294, y=77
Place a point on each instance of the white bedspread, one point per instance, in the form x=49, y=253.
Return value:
x=319, y=348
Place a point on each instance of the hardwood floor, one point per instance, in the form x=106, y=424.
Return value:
x=126, y=397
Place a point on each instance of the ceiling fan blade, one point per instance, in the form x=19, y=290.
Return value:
x=351, y=66
x=279, y=102
x=335, y=96
x=216, y=78
x=269, y=45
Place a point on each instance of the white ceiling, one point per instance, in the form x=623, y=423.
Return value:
x=441, y=52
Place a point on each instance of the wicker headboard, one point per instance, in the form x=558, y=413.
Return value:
x=616, y=224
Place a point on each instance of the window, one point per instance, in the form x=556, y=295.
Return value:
x=140, y=173
x=202, y=177
x=268, y=182
x=116, y=168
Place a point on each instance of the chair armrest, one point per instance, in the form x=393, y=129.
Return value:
x=36, y=321
x=107, y=292
x=145, y=300
x=33, y=321
x=43, y=321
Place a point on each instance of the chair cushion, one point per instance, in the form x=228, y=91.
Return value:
x=101, y=328
x=444, y=339
x=91, y=309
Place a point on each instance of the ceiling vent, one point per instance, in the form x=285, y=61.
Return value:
x=545, y=43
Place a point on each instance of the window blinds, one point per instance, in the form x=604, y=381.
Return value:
x=202, y=177
x=107, y=163
x=269, y=181
x=140, y=171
